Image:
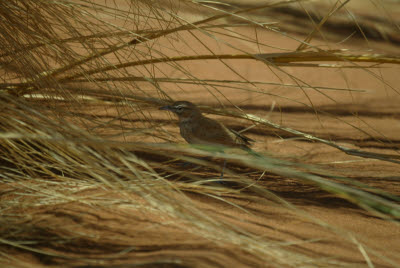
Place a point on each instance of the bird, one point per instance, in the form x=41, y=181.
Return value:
x=196, y=128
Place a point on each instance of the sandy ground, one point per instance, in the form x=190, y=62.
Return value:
x=367, y=120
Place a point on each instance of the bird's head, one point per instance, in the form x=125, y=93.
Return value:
x=183, y=109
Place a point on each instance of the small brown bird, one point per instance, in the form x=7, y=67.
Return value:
x=195, y=128
x=198, y=129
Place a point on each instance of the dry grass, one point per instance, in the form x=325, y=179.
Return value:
x=81, y=135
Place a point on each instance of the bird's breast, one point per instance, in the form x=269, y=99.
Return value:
x=186, y=129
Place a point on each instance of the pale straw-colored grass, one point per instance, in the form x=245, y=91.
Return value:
x=76, y=72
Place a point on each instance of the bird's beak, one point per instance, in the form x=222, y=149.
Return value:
x=167, y=108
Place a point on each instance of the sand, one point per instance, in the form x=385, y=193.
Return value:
x=368, y=119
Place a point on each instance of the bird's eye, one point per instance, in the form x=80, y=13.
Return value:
x=179, y=108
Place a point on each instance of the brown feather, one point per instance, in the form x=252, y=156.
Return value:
x=198, y=129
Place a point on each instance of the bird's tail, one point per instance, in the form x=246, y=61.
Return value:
x=250, y=151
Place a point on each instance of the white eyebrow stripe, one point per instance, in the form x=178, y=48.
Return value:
x=180, y=106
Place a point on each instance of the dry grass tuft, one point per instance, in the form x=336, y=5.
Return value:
x=91, y=174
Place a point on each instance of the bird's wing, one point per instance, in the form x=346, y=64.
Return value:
x=209, y=131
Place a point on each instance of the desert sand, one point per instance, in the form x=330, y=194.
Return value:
x=323, y=226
